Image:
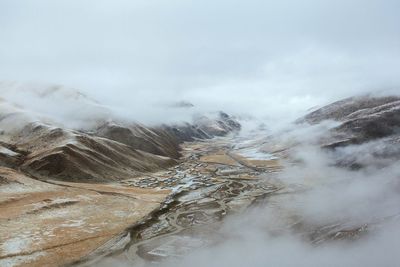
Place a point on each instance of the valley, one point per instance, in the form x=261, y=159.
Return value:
x=47, y=223
x=136, y=195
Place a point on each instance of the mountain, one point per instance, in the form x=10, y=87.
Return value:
x=369, y=124
x=70, y=170
x=106, y=149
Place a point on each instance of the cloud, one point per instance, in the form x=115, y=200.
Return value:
x=320, y=199
x=262, y=57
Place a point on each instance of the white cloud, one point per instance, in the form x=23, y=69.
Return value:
x=228, y=54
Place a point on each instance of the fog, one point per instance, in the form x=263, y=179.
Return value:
x=319, y=196
x=268, y=60
x=262, y=57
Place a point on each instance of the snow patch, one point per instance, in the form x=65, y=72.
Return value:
x=73, y=223
x=255, y=154
x=14, y=188
x=21, y=260
x=16, y=245
x=8, y=152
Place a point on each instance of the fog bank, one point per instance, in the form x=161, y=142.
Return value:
x=266, y=58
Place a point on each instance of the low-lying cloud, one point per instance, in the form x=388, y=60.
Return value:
x=292, y=228
x=266, y=58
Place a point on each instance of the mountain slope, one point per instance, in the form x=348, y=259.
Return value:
x=369, y=125
x=103, y=150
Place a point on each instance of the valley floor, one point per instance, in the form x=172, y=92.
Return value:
x=52, y=223
x=216, y=178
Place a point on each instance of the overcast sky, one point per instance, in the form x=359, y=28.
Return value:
x=224, y=54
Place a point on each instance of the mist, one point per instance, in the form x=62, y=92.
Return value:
x=74, y=62
x=292, y=228
x=264, y=58
x=319, y=196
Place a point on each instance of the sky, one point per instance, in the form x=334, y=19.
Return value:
x=259, y=56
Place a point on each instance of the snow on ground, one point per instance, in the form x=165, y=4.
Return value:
x=16, y=245
x=20, y=260
x=7, y=152
x=255, y=154
x=14, y=188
